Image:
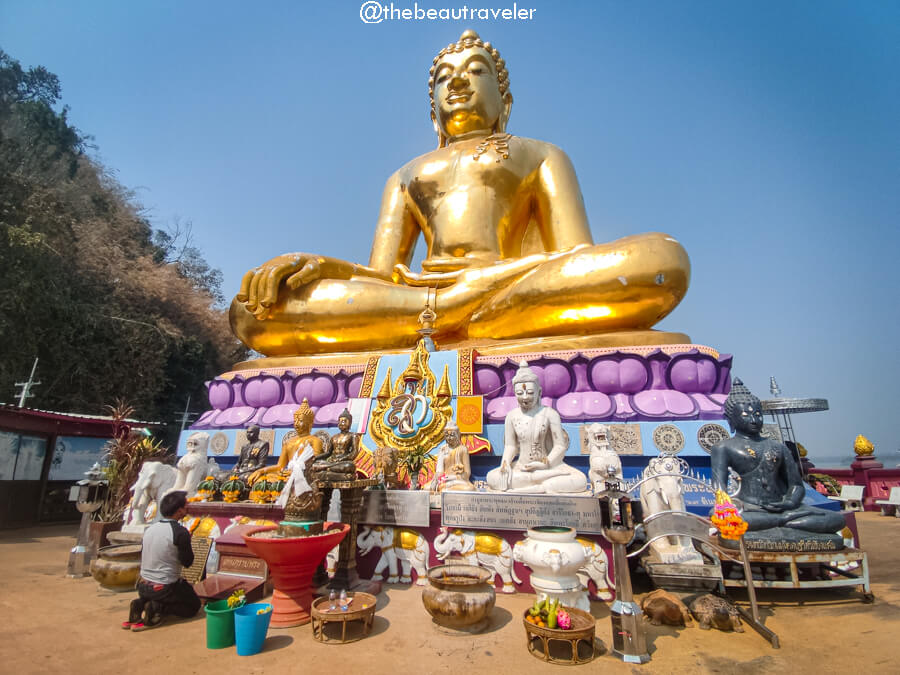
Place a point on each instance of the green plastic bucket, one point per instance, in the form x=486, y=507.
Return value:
x=219, y=625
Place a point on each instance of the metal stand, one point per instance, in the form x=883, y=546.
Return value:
x=619, y=513
x=345, y=575
x=83, y=552
x=629, y=640
x=88, y=496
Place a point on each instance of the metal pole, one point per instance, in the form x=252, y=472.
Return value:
x=184, y=416
x=753, y=619
x=26, y=386
x=748, y=575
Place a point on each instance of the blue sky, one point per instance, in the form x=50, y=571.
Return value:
x=765, y=136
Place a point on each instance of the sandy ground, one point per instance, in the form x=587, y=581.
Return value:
x=50, y=623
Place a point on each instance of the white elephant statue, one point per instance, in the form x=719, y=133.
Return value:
x=479, y=548
x=596, y=570
x=154, y=479
x=666, y=493
x=401, y=544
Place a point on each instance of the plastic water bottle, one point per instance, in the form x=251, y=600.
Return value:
x=344, y=603
x=332, y=600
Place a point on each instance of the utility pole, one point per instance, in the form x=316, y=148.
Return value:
x=184, y=415
x=26, y=386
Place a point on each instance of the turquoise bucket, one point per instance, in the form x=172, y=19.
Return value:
x=250, y=628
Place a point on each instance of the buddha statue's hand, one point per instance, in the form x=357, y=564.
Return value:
x=777, y=507
x=255, y=476
x=535, y=466
x=260, y=286
x=403, y=274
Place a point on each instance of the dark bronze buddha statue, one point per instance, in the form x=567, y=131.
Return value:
x=771, y=490
x=339, y=464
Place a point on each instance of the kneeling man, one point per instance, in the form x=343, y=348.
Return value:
x=166, y=549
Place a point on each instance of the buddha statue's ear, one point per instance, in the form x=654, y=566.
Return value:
x=500, y=127
x=442, y=140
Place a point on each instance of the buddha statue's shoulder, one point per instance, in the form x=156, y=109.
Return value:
x=297, y=442
x=725, y=445
x=526, y=152
x=551, y=414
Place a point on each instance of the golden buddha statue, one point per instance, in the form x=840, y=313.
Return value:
x=509, y=252
x=303, y=421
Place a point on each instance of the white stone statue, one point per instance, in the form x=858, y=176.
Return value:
x=534, y=444
x=486, y=549
x=154, y=480
x=605, y=463
x=193, y=467
x=596, y=570
x=666, y=493
x=452, y=469
x=402, y=546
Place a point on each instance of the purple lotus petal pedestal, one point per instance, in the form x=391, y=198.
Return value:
x=644, y=382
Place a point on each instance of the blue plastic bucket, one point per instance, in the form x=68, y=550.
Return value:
x=250, y=627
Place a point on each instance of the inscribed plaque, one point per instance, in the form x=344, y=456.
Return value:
x=396, y=507
x=200, y=546
x=503, y=511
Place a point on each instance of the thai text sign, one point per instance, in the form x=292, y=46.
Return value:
x=243, y=565
x=500, y=511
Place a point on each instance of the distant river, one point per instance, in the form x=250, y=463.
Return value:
x=833, y=462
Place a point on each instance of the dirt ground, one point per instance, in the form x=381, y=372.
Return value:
x=50, y=623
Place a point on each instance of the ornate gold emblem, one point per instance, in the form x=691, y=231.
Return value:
x=412, y=412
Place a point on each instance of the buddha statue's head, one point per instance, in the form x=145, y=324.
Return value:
x=451, y=434
x=303, y=419
x=469, y=88
x=345, y=420
x=743, y=410
x=527, y=387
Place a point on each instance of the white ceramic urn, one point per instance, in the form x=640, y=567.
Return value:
x=554, y=557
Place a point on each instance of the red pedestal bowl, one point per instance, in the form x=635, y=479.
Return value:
x=292, y=562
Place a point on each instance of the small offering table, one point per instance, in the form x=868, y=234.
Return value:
x=362, y=608
x=581, y=635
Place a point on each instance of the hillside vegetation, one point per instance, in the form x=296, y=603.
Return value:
x=114, y=308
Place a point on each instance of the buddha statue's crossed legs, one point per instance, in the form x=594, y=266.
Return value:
x=591, y=289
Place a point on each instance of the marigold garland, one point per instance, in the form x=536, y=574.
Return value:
x=727, y=519
x=259, y=492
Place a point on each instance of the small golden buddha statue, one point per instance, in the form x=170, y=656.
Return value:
x=509, y=252
x=452, y=470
